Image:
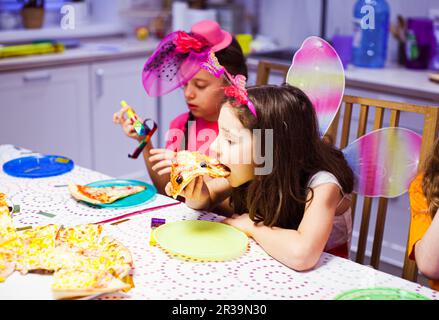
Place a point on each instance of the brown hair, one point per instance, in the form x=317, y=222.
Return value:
x=430, y=182
x=279, y=198
x=232, y=58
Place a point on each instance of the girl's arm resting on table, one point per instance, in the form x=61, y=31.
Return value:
x=298, y=249
x=427, y=251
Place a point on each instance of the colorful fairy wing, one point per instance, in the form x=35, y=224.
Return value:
x=384, y=161
x=318, y=71
x=168, y=69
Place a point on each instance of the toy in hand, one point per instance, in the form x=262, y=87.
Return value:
x=142, y=129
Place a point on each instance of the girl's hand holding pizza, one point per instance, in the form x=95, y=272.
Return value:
x=196, y=193
x=163, y=159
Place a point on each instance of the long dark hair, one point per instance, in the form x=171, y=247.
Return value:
x=430, y=182
x=279, y=198
x=232, y=58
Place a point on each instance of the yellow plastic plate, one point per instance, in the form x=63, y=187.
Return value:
x=203, y=241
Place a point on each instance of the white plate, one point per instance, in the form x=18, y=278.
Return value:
x=29, y=287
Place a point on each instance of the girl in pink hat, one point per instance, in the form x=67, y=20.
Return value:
x=203, y=93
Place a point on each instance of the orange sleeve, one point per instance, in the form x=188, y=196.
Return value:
x=420, y=218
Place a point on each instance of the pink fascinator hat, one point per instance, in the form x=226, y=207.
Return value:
x=178, y=57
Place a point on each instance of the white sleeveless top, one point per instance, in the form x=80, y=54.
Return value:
x=342, y=228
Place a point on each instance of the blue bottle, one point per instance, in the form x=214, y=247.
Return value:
x=371, y=33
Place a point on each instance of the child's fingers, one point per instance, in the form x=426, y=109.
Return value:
x=189, y=190
x=198, y=185
x=227, y=220
x=164, y=171
x=120, y=115
x=156, y=151
x=164, y=155
x=161, y=165
x=168, y=189
x=162, y=151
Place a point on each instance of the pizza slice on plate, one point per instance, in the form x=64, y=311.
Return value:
x=189, y=165
x=102, y=195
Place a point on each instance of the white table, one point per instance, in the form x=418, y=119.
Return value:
x=254, y=276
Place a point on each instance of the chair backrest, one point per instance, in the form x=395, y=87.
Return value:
x=350, y=105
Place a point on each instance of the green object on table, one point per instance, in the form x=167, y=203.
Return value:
x=199, y=240
x=49, y=215
x=30, y=49
x=16, y=208
x=380, y=294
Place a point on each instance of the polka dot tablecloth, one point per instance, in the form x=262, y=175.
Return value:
x=255, y=275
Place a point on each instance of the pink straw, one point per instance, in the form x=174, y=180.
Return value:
x=138, y=212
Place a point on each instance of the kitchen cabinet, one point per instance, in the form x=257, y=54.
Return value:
x=112, y=82
x=69, y=110
x=47, y=111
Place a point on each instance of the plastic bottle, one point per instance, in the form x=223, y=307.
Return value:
x=371, y=33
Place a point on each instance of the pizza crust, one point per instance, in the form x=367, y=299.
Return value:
x=74, y=191
x=110, y=286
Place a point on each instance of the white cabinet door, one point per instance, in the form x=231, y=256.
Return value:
x=112, y=82
x=47, y=111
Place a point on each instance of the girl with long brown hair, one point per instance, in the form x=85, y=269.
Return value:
x=424, y=226
x=298, y=204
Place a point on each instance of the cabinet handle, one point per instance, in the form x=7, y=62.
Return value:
x=37, y=76
x=99, y=82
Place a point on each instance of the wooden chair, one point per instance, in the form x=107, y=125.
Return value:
x=350, y=104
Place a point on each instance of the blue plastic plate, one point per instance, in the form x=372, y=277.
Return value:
x=130, y=201
x=38, y=166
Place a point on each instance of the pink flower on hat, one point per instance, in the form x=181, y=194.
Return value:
x=185, y=43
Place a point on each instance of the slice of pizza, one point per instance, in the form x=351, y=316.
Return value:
x=82, y=236
x=118, y=256
x=103, y=195
x=7, y=230
x=38, y=249
x=189, y=165
x=9, y=253
x=80, y=283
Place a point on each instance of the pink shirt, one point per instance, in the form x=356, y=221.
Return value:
x=201, y=134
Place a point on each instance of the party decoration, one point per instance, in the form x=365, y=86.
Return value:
x=179, y=57
x=384, y=161
x=317, y=70
x=176, y=60
x=199, y=240
x=141, y=128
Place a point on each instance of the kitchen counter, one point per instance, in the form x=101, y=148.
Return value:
x=89, y=51
x=391, y=80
